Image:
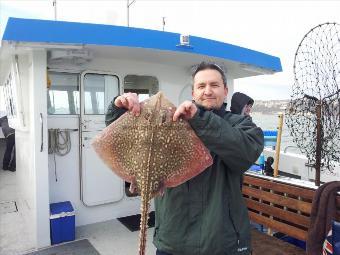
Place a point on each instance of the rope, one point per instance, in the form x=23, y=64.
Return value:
x=59, y=142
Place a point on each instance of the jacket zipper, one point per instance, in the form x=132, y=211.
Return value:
x=234, y=227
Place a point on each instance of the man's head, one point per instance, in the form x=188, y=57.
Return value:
x=241, y=104
x=209, y=86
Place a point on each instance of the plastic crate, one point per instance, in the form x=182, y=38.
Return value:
x=62, y=222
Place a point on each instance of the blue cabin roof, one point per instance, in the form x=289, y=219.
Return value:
x=61, y=32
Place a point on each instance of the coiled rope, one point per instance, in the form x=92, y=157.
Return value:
x=59, y=142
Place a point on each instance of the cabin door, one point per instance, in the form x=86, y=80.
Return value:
x=99, y=185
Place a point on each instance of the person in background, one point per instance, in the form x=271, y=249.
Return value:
x=9, y=156
x=241, y=104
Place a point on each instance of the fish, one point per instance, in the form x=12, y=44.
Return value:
x=152, y=152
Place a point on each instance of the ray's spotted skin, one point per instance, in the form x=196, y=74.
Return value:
x=151, y=151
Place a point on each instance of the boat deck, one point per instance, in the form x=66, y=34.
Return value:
x=16, y=238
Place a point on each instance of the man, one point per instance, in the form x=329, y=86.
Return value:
x=241, y=104
x=207, y=214
x=9, y=133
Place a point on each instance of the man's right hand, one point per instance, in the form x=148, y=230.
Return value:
x=185, y=110
x=130, y=102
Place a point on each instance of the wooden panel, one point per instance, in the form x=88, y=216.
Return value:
x=279, y=226
x=264, y=244
x=278, y=199
x=280, y=187
x=279, y=213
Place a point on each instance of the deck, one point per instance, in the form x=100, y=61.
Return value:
x=109, y=238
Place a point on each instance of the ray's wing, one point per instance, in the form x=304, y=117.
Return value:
x=178, y=154
x=114, y=145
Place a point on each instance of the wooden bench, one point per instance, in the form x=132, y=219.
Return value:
x=282, y=207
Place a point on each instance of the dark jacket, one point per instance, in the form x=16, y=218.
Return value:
x=207, y=215
x=239, y=101
x=6, y=129
x=322, y=214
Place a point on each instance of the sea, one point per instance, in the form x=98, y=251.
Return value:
x=271, y=122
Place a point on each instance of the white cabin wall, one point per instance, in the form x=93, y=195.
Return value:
x=230, y=84
x=40, y=155
x=32, y=165
x=24, y=62
x=24, y=152
x=171, y=79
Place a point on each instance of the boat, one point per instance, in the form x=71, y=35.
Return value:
x=58, y=78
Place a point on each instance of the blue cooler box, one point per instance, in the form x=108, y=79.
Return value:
x=62, y=222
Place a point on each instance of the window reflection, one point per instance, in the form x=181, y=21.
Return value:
x=63, y=94
x=144, y=86
x=99, y=90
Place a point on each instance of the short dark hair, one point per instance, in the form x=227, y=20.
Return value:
x=210, y=66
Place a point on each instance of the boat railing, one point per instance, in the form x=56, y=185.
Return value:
x=290, y=146
x=284, y=209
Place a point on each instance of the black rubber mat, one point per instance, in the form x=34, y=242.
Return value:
x=79, y=247
x=132, y=222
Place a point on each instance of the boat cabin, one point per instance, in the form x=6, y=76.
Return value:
x=57, y=79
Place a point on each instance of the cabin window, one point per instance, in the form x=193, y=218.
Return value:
x=145, y=86
x=9, y=90
x=98, y=89
x=63, y=94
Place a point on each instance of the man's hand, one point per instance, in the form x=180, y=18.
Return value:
x=186, y=110
x=130, y=102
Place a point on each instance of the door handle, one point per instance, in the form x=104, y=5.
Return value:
x=84, y=123
x=42, y=132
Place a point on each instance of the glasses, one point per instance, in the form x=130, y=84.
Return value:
x=218, y=67
x=207, y=65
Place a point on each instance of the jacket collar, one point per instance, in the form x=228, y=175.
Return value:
x=220, y=112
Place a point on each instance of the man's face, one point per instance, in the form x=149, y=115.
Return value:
x=209, y=90
x=247, y=109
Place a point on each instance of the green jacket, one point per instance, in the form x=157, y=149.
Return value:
x=207, y=214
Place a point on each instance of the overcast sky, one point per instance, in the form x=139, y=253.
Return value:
x=273, y=27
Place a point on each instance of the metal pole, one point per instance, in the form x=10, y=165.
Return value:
x=128, y=4
x=55, y=9
x=318, y=144
x=127, y=8
x=163, y=23
x=278, y=146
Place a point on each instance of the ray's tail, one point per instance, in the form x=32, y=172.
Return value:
x=145, y=204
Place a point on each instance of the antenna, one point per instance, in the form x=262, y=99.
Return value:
x=128, y=10
x=55, y=9
x=163, y=18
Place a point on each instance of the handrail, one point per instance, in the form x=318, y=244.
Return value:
x=289, y=146
x=42, y=132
